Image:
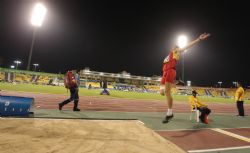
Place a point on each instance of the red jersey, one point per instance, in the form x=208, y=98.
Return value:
x=170, y=61
x=169, y=67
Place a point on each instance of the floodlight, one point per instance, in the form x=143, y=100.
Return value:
x=38, y=15
x=182, y=41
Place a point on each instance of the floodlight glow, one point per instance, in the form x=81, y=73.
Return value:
x=17, y=62
x=86, y=70
x=38, y=15
x=126, y=75
x=182, y=41
x=235, y=83
x=12, y=66
x=36, y=65
x=220, y=82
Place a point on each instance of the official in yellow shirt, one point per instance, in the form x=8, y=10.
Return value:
x=239, y=99
x=196, y=103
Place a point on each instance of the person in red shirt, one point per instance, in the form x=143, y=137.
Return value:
x=169, y=73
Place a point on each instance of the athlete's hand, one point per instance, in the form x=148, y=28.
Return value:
x=204, y=36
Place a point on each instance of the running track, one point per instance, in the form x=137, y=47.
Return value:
x=50, y=101
x=187, y=140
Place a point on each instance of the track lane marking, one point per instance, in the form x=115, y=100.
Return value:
x=232, y=134
x=218, y=149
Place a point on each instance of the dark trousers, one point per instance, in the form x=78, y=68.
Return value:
x=240, y=108
x=204, y=111
x=73, y=96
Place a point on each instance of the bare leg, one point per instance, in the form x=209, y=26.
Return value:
x=169, y=97
x=162, y=90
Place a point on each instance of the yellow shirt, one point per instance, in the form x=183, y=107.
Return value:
x=176, y=55
x=172, y=55
x=194, y=101
x=239, y=94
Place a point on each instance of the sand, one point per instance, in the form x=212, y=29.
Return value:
x=80, y=136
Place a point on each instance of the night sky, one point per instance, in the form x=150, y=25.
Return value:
x=133, y=36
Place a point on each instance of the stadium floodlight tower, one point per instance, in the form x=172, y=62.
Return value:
x=220, y=83
x=35, y=65
x=17, y=63
x=182, y=42
x=235, y=84
x=37, y=18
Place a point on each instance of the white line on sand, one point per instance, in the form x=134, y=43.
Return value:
x=140, y=122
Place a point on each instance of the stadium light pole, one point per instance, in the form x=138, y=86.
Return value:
x=37, y=18
x=235, y=84
x=182, y=42
x=17, y=63
x=36, y=65
x=220, y=83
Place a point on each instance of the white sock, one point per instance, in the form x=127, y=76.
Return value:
x=170, y=112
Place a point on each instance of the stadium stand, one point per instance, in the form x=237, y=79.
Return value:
x=93, y=84
x=224, y=94
x=208, y=93
x=43, y=80
x=115, y=81
x=216, y=92
x=18, y=78
x=174, y=90
x=230, y=93
x=2, y=76
x=182, y=90
x=152, y=88
x=247, y=94
x=34, y=78
x=124, y=87
x=22, y=78
x=110, y=86
x=200, y=91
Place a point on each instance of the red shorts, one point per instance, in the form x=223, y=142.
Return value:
x=168, y=76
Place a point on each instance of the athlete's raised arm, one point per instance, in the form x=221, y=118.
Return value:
x=191, y=44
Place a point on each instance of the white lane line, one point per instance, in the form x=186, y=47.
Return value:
x=201, y=129
x=232, y=135
x=218, y=149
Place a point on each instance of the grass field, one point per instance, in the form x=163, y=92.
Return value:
x=96, y=92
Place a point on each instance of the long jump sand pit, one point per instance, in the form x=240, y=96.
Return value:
x=78, y=136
